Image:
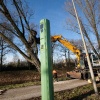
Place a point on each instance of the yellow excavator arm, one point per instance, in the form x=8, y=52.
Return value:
x=68, y=45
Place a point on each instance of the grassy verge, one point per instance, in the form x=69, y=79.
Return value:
x=12, y=86
x=79, y=93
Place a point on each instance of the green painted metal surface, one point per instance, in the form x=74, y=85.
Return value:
x=47, y=91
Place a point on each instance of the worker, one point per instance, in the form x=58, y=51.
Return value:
x=55, y=77
x=2, y=91
x=85, y=62
x=32, y=42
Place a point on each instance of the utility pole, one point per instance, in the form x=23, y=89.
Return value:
x=47, y=91
x=84, y=43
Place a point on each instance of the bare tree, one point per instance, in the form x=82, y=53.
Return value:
x=65, y=53
x=62, y=52
x=89, y=19
x=5, y=48
x=16, y=17
x=79, y=44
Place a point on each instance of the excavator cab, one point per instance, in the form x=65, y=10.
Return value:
x=82, y=61
x=95, y=60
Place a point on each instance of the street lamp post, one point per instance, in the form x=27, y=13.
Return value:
x=88, y=59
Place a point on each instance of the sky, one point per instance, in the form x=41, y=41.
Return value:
x=54, y=11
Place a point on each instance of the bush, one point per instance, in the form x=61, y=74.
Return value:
x=15, y=67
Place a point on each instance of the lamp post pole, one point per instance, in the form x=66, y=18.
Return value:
x=88, y=59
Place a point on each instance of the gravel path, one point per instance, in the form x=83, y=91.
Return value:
x=35, y=91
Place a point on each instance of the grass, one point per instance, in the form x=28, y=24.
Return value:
x=80, y=93
x=18, y=77
x=12, y=86
x=74, y=94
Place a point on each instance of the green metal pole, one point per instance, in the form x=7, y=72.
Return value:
x=47, y=90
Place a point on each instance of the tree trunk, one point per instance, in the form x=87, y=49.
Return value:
x=1, y=59
x=68, y=58
x=85, y=33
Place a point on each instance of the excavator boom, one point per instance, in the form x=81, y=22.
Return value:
x=68, y=45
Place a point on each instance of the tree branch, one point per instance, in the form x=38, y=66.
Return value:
x=18, y=10
x=28, y=27
x=14, y=46
x=10, y=30
x=8, y=16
